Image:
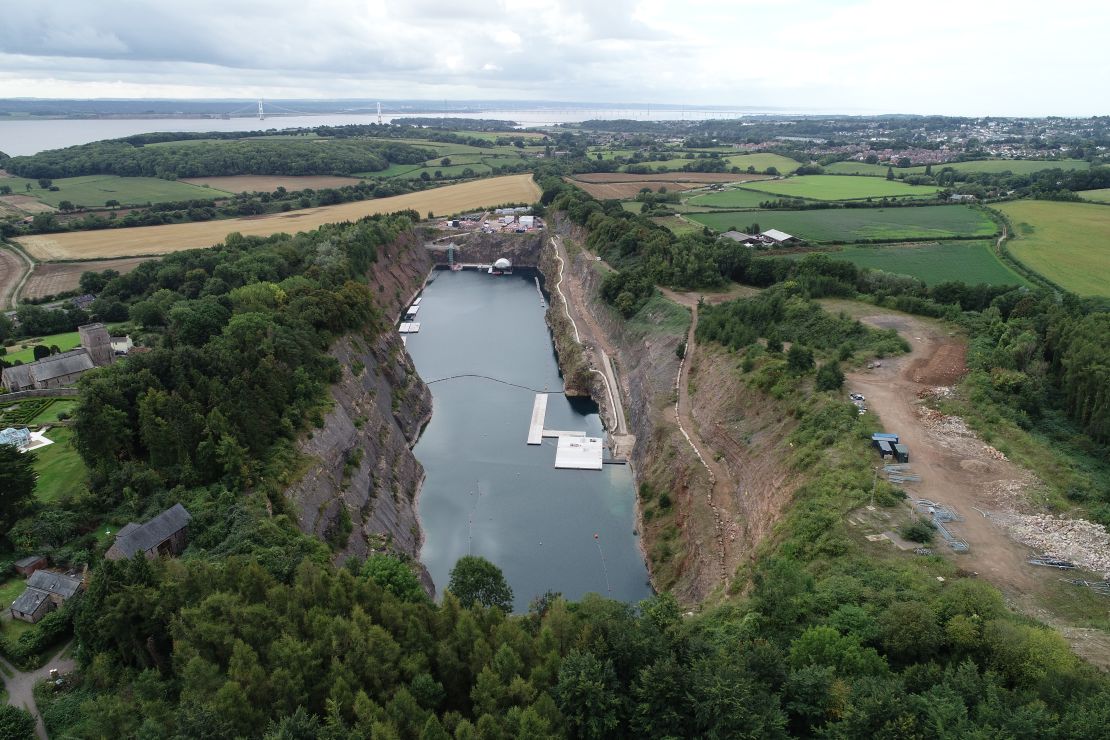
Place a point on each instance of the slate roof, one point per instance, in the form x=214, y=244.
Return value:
x=740, y=236
x=63, y=363
x=18, y=376
x=140, y=538
x=24, y=562
x=30, y=600
x=55, y=583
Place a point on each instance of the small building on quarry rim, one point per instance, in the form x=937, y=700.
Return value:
x=165, y=534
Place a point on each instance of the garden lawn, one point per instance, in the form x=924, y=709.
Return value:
x=972, y=262
x=10, y=590
x=841, y=187
x=860, y=224
x=1069, y=243
x=23, y=350
x=60, y=468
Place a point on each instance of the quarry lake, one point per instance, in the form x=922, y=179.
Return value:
x=487, y=492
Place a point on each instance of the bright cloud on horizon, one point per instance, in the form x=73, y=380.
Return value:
x=944, y=56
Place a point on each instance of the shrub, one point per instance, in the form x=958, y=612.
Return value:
x=918, y=531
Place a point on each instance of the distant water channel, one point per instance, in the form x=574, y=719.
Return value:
x=488, y=493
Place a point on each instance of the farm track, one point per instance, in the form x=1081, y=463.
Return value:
x=155, y=240
x=15, y=268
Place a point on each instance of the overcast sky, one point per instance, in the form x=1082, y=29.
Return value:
x=970, y=57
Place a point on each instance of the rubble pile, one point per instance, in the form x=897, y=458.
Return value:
x=1084, y=543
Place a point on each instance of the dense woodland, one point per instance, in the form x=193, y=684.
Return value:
x=201, y=158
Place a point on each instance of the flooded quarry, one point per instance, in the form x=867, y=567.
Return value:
x=481, y=344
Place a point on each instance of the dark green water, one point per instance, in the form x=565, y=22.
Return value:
x=488, y=493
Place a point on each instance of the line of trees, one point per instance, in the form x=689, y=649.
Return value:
x=206, y=158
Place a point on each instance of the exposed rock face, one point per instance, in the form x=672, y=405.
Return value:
x=523, y=250
x=359, y=493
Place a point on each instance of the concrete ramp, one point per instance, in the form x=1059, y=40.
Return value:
x=539, y=412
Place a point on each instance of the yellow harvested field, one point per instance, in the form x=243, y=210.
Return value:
x=150, y=240
x=270, y=183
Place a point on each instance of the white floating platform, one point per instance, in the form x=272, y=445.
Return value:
x=408, y=327
x=416, y=301
x=412, y=310
x=539, y=412
x=405, y=341
x=560, y=434
x=579, y=453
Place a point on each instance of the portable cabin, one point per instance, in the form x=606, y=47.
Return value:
x=886, y=449
x=878, y=437
x=901, y=453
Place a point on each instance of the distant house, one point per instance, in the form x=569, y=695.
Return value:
x=28, y=565
x=46, y=590
x=748, y=240
x=121, y=345
x=778, y=238
x=165, y=534
x=961, y=198
x=84, y=301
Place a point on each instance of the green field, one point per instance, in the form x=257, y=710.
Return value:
x=95, y=190
x=60, y=468
x=731, y=198
x=1069, y=243
x=22, y=350
x=841, y=187
x=852, y=224
x=1095, y=196
x=1016, y=166
x=969, y=261
x=762, y=161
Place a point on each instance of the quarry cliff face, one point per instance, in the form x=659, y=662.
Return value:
x=359, y=491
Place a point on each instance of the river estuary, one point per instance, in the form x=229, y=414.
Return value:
x=488, y=493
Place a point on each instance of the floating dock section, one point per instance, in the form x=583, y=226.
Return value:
x=539, y=412
x=409, y=327
x=579, y=453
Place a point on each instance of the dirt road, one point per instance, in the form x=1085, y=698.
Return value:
x=956, y=468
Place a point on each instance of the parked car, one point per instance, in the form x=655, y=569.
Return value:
x=856, y=396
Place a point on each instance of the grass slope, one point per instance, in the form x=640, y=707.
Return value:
x=22, y=350
x=59, y=467
x=1069, y=243
x=841, y=187
x=972, y=262
x=854, y=224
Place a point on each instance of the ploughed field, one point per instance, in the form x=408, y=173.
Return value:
x=149, y=240
x=860, y=224
x=52, y=278
x=1069, y=243
x=972, y=262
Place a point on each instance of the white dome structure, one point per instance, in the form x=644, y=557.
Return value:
x=502, y=264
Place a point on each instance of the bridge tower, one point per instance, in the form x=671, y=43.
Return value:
x=379, y=114
x=261, y=113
